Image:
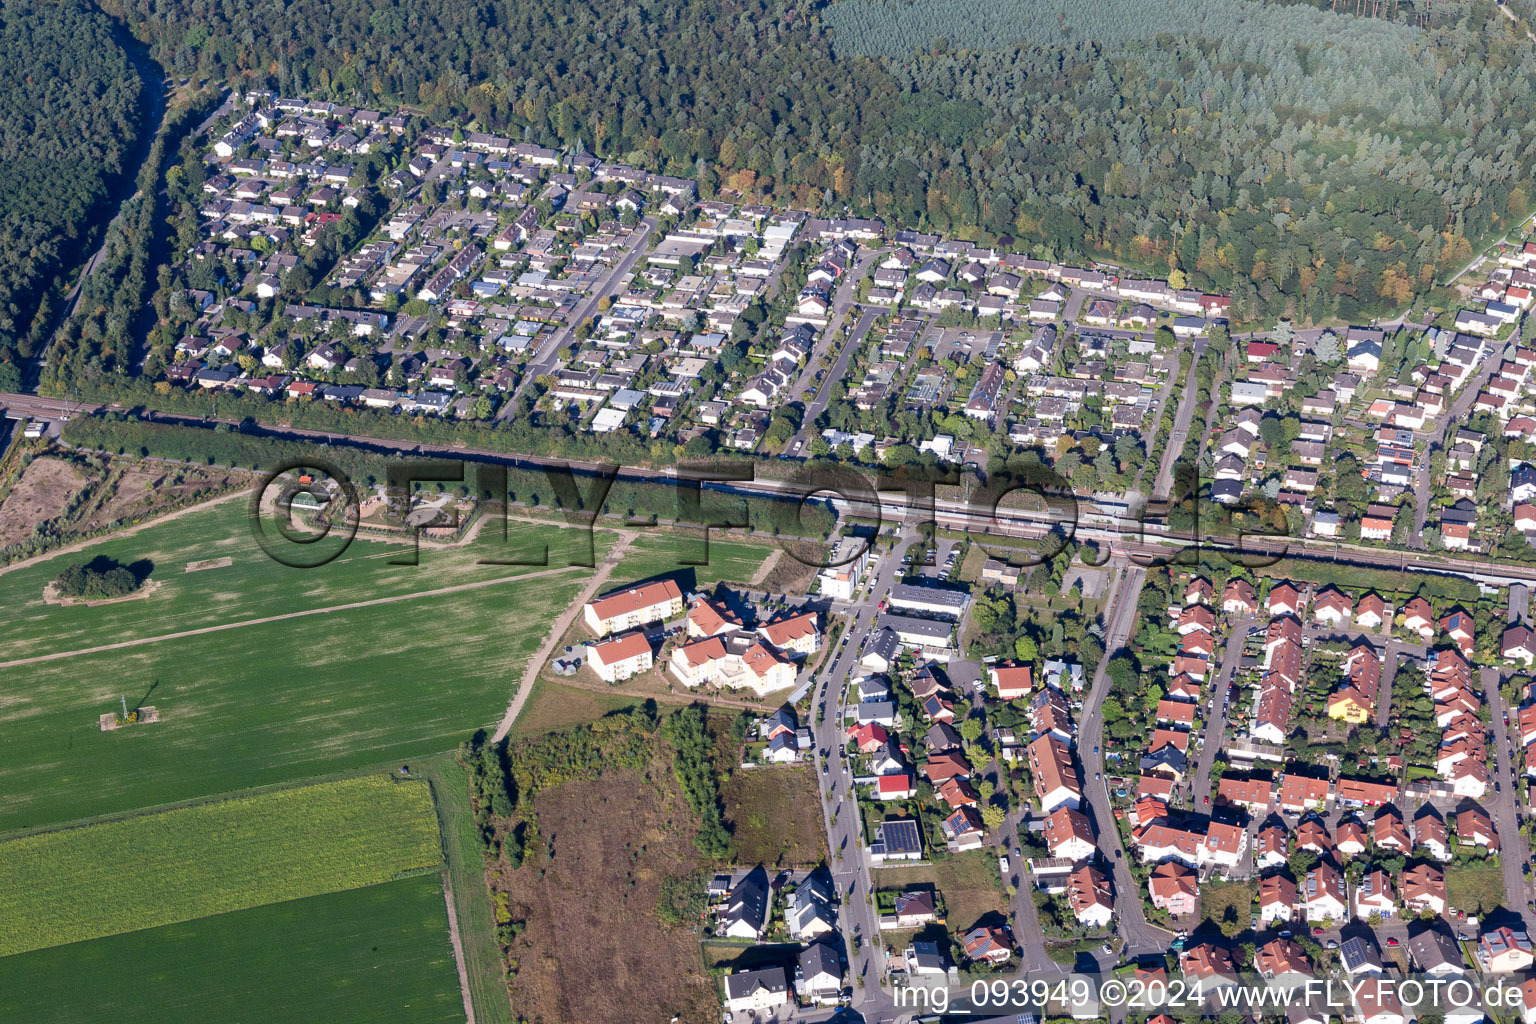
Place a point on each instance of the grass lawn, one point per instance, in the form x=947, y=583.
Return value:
x=731, y=560
x=1475, y=888
x=554, y=706
x=252, y=585
x=471, y=896
x=212, y=858
x=1227, y=905
x=775, y=817
x=969, y=883
x=269, y=703
x=377, y=955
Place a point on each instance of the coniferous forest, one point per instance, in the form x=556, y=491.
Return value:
x=69, y=118
x=1322, y=159
x=1316, y=159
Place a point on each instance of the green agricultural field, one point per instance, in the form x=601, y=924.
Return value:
x=466, y=873
x=212, y=858
x=733, y=561
x=378, y=955
x=270, y=703
x=252, y=585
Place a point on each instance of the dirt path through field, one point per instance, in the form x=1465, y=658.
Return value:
x=767, y=567
x=289, y=615
x=557, y=630
x=458, y=950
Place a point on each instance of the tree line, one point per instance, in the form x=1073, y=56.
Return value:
x=69, y=118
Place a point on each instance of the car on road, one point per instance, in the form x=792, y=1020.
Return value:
x=824, y=769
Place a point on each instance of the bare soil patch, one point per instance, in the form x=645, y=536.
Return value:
x=139, y=492
x=587, y=892
x=42, y=493
x=788, y=575
x=210, y=563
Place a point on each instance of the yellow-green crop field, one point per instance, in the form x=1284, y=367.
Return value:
x=212, y=858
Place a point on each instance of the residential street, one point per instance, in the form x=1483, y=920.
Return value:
x=1457, y=413
x=1140, y=936
x=548, y=355
x=1503, y=804
x=1163, y=485
x=1215, y=738
x=850, y=866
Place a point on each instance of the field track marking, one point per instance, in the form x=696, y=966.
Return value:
x=556, y=631
x=129, y=532
x=289, y=615
x=458, y=950
x=766, y=568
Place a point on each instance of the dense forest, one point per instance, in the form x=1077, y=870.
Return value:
x=69, y=117
x=1318, y=159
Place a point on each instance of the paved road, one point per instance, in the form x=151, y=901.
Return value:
x=548, y=355
x=1396, y=652
x=1140, y=936
x=851, y=871
x=1075, y=299
x=1457, y=413
x=819, y=403
x=1163, y=486
x=230, y=101
x=1133, y=495
x=1503, y=802
x=1216, y=719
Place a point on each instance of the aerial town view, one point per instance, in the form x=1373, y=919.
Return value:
x=757, y=512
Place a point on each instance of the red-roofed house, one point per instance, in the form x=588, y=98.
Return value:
x=621, y=657
x=1174, y=888
x=868, y=738
x=1012, y=680
x=1283, y=600
x=1300, y=793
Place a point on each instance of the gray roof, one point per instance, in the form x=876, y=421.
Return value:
x=744, y=984
x=1435, y=948
x=907, y=593
x=874, y=711
x=820, y=958
x=748, y=901
x=917, y=627
x=885, y=643
x=942, y=736
x=1359, y=955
